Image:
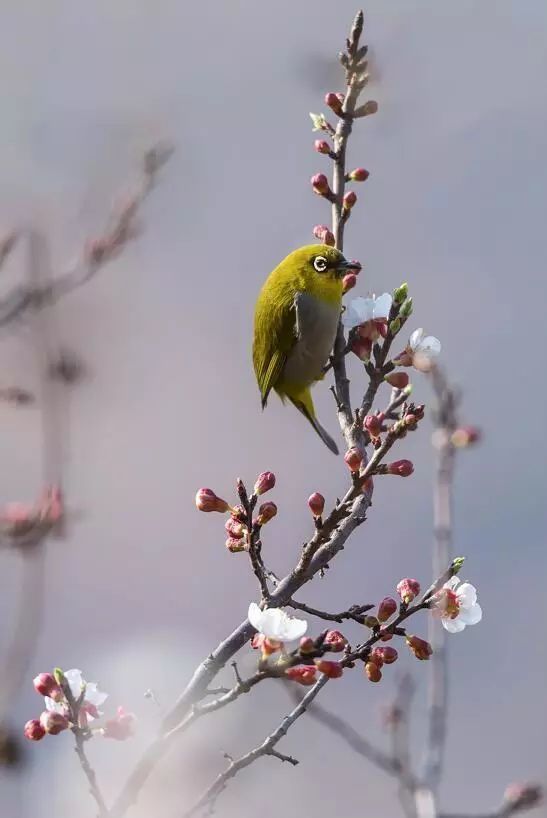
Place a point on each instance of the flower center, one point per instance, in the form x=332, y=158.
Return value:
x=448, y=604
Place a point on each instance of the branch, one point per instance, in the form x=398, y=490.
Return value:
x=89, y=772
x=96, y=254
x=355, y=612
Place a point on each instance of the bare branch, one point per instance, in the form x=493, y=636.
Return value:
x=355, y=612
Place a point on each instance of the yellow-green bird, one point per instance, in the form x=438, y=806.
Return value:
x=296, y=318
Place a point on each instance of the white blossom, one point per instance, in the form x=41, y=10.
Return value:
x=459, y=606
x=427, y=346
x=362, y=310
x=93, y=697
x=319, y=121
x=275, y=623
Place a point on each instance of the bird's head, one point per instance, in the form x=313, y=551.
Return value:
x=317, y=264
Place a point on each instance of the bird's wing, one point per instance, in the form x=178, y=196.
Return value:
x=278, y=336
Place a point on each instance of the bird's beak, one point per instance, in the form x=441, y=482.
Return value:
x=345, y=266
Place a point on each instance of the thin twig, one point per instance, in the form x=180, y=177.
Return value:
x=89, y=772
x=355, y=612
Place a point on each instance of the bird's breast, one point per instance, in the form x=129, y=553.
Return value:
x=316, y=325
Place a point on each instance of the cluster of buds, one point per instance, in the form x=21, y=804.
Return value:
x=379, y=657
x=308, y=660
x=25, y=524
x=72, y=703
x=241, y=524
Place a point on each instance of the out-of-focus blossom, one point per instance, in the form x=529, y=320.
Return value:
x=93, y=698
x=121, y=727
x=303, y=674
x=421, y=351
x=33, y=730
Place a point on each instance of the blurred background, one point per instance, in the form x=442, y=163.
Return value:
x=142, y=587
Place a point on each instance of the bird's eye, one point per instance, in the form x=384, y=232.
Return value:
x=320, y=264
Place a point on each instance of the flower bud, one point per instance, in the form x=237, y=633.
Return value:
x=348, y=282
x=367, y=109
x=303, y=674
x=387, y=655
x=335, y=641
x=235, y=544
x=397, y=379
x=316, y=504
x=334, y=102
x=362, y=347
x=373, y=424
x=349, y=199
x=408, y=589
x=331, y=669
x=322, y=232
x=320, y=184
x=234, y=528
x=519, y=796
x=385, y=635
x=465, y=436
x=358, y=175
x=406, y=309
x=370, y=622
x=353, y=459
x=373, y=672
x=386, y=608
x=239, y=514
x=400, y=293
x=307, y=645
x=33, y=730
x=53, y=723
x=264, y=482
x=322, y=146
x=45, y=685
x=419, y=647
x=402, y=468
x=206, y=500
x=266, y=512
x=395, y=326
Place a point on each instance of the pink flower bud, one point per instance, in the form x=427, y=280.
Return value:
x=320, y=184
x=349, y=200
x=239, y=514
x=334, y=101
x=45, y=685
x=303, y=674
x=322, y=146
x=53, y=722
x=234, y=528
x=235, y=545
x=397, y=379
x=408, y=589
x=335, y=641
x=373, y=672
x=348, y=282
x=420, y=648
x=331, y=669
x=359, y=175
x=322, y=232
x=206, y=500
x=465, y=436
x=353, y=459
x=120, y=728
x=522, y=796
x=387, y=655
x=402, y=468
x=385, y=635
x=266, y=512
x=264, y=482
x=316, y=504
x=373, y=424
x=33, y=730
x=307, y=645
x=386, y=608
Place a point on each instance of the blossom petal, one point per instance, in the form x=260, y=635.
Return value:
x=272, y=624
x=471, y=616
x=382, y=306
x=415, y=338
x=294, y=629
x=55, y=707
x=467, y=595
x=93, y=695
x=430, y=346
x=359, y=312
x=453, y=625
x=75, y=681
x=452, y=583
x=254, y=615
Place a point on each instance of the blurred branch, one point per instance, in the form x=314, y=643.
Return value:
x=98, y=252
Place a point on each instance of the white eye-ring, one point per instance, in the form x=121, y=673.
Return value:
x=320, y=263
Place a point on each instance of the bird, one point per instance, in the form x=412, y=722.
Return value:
x=295, y=324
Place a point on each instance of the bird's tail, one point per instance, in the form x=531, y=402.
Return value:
x=304, y=404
